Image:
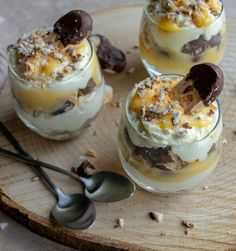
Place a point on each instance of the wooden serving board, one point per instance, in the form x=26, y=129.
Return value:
x=212, y=210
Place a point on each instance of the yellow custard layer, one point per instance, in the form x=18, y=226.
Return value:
x=48, y=99
x=192, y=169
x=178, y=62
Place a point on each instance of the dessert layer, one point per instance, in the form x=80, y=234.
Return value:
x=171, y=15
x=40, y=57
x=157, y=113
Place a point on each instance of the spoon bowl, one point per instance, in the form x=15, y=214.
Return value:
x=74, y=211
x=109, y=186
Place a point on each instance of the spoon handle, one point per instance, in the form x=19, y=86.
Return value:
x=31, y=161
x=36, y=167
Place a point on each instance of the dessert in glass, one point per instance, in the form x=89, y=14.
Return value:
x=177, y=34
x=170, y=133
x=55, y=77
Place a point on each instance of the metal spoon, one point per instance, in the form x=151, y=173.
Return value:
x=74, y=211
x=103, y=186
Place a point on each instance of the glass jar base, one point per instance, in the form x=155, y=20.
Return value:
x=56, y=135
x=152, y=71
x=154, y=186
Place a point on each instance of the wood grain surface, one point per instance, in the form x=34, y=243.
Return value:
x=212, y=210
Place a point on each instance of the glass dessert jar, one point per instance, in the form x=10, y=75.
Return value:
x=160, y=147
x=175, y=35
x=57, y=88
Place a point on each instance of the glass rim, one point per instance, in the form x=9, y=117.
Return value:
x=53, y=82
x=184, y=28
x=170, y=144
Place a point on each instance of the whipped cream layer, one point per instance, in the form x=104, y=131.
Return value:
x=41, y=59
x=155, y=119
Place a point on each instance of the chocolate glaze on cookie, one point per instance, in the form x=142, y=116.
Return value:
x=73, y=27
x=208, y=80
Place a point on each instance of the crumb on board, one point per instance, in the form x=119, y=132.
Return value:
x=91, y=153
x=131, y=70
x=35, y=178
x=188, y=224
x=156, y=216
x=205, y=187
x=163, y=233
x=3, y=225
x=120, y=223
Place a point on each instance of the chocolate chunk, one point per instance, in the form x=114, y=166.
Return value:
x=73, y=27
x=198, y=46
x=155, y=157
x=83, y=167
x=208, y=80
x=88, y=89
x=67, y=106
x=109, y=56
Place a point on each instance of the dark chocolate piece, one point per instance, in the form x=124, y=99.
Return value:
x=84, y=168
x=67, y=106
x=88, y=89
x=208, y=80
x=73, y=27
x=198, y=46
x=109, y=56
x=154, y=157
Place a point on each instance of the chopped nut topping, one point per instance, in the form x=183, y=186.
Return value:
x=187, y=126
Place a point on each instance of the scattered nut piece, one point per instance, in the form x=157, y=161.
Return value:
x=131, y=70
x=120, y=222
x=224, y=142
x=186, y=231
x=156, y=216
x=117, y=122
x=91, y=153
x=35, y=178
x=234, y=132
x=116, y=104
x=205, y=187
x=108, y=94
x=163, y=233
x=188, y=224
x=109, y=71
x=3, y=225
